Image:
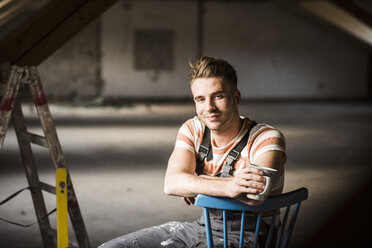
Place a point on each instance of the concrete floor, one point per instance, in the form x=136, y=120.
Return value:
x=117, y=158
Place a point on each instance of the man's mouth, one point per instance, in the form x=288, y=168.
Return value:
x=213, y=117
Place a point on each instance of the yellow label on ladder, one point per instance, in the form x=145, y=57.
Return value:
x=62, y=216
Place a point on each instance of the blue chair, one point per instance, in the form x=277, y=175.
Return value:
x=286, y=200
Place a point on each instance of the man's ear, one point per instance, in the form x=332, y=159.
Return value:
x=238, y=96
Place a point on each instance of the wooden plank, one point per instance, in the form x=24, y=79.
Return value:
x=35, y=139
x=31, y=47
x=47, y=187
x=36, y=28
x=355, y=10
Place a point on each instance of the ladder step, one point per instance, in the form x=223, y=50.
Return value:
x=47, y=187
x=35, y=139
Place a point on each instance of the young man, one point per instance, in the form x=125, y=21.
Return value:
x=214, y=88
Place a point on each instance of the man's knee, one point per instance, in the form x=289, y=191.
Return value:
x=126, y=241
x=110, y=244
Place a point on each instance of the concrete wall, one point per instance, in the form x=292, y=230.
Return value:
x=73, y=72
x=119, y=24
x=276, y=54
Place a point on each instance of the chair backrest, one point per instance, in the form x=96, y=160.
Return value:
x=286, y=200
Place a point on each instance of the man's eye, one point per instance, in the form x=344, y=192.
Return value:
x=200, y=100
x=219, y=96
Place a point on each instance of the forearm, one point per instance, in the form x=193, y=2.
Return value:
x=183, y=184
x=180, y=179
x=215, y=177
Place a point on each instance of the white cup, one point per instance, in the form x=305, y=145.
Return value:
x=269, y=174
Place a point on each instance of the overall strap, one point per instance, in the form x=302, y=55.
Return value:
x=233, y=155
x=205, y=152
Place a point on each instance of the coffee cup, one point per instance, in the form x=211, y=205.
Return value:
x=269, y=175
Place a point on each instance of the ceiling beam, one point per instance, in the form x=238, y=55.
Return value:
x=331, y=18
x=355, y=10
x=49, y=29
x=340, y=18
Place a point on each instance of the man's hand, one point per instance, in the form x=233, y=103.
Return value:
x=245, y=181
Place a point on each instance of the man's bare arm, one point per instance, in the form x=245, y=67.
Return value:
x=180, y=179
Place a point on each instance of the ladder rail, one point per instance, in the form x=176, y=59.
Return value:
x=46, y=119
x=8, y=100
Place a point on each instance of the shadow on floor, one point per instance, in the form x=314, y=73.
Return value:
x=349, y=225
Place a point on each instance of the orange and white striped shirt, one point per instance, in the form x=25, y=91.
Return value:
x=262, y=138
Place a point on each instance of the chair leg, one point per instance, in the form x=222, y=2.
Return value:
x=271, y=230
x=225, y=234
x=208, y=228
x=282, y=228
x=257, y=230
x=241, y=239
x=291, y=224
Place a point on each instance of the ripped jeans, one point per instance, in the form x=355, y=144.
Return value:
x=188, y=234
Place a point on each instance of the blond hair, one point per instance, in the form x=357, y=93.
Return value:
x=210, y=67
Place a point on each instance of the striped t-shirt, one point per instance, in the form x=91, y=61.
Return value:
x=262, y=138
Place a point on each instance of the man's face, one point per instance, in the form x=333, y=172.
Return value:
x=216, y=103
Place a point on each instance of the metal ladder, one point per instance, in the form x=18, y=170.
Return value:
x=11, y=107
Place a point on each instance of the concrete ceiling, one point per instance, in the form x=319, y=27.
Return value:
x=31, y=30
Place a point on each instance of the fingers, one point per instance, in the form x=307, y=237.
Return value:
x=253, y=177
x=251, y=184
x=246, y=182
x=252, y=187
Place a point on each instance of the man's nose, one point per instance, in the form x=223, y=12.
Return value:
x=210, y=106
